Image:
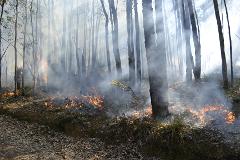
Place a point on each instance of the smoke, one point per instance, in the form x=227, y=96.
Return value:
x=67, y=82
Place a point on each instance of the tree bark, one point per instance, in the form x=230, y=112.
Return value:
x=230, y=42
x=187, y=32
x=93, y=39
x=131, y=56
x=156, y=63
x=63, y=56
x=33, y=50
x=222, y=46
x=15, y=47
x=24, y=48
x=196, y=41
x=115, y=41
x=138, y=50
x=106, y=36
x=1, y=18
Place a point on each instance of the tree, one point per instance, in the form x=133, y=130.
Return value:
x=187, y=33
x=222, y=46
x=131, y=56
x=106, y=36
x=196, y=40
x=77, y=48
x=138, y=50
x=15, y=47
x=114, y=23
x=34, y=46
x=2, y=4
x=230, y=42
x=24, y=47
x=155, y=59
x=63, y=56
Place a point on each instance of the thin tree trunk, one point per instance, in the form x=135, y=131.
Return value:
x=156, y=62
x=24, y=48
x=230, y=42
x=114, y=22
x=49, y=41
x=138, y=50
x=196, y=41
x=222, y=46
x=187, y=32
x=77, y=48
x=84, y=52
x=63, y=56
x=33, y=51
x=131, y=56
x=106, y=36
x=93, y=38
x=15, y=47
x=1, y=18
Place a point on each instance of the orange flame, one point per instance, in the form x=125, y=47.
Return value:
x=97, y=101
x=201, y=114
x=230, y=118
x=9, y=94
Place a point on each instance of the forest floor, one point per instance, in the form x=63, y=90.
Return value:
x=68, y=128
x=24, y=141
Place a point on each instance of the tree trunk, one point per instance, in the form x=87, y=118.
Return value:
x=1, y=18
x=24, y=48
x=63, y=56
x=84, y=52
x=138, y=50
x=77, y=48
x=15, y=47
x=106, y=36
x=156, y=62
x=230, y=42
x=93, y=38
x=33, y=51
x=221, y=40
x=114, y=22
x=49, y=41
x=187, y=32
x=131, y=56
x=196, y=41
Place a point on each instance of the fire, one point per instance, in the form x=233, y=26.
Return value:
x=9, y=94
x=201, y=114
x=75, y=101
x=147, y=112
x=97, y=101
x=230, y=118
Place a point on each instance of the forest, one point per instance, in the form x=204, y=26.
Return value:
x=120, y=79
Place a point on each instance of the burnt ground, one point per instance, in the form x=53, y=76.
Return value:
x=25, y=141
x=30, y=129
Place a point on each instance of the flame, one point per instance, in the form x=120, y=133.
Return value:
x=97, y=101
x=10, y=94
x=75, y=101
x=147, y=112
x=230, y=118
x=201, y=114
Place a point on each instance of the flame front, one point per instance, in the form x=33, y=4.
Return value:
x=201, y=114
x=10, y=94
x=97, y=101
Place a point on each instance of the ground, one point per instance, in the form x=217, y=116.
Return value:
x=79, y=128
x=25, y=141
